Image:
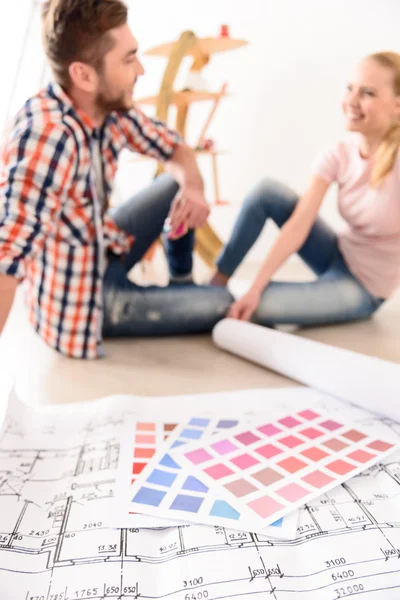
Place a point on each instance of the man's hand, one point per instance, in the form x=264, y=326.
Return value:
x=243, y=309
x=190, y=208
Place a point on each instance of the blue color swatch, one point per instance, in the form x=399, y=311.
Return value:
x=222, y=509
x=226, y=424
x=194, y=485
x=168, y=462
x=162, y=478
x=177, y=444
x=277, y=523
x=187, y=503
x=199, y=422
x=191, y=434
x=149, y=496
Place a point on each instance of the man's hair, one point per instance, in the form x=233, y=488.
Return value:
x=78, y=30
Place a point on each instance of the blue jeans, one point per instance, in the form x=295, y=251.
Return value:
x=336, y=296
x=132, y=310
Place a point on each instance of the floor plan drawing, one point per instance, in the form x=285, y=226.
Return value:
x=56, y=494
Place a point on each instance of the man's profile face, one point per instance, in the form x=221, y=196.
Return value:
x=120, y=71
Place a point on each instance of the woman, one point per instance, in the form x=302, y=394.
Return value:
x=358, y=269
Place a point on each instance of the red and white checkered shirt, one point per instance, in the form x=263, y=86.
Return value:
x=52, y=232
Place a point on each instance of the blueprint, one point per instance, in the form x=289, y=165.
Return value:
x=57, y=472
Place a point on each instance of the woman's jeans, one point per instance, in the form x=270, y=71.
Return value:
x=132, y=310
x=336, y=296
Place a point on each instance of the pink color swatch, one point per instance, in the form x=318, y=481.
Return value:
x=274, y=467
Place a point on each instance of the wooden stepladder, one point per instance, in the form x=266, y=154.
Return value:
x=208, y=244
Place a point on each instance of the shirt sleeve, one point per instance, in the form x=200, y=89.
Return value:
x=148, y=136
x=38, y=167
x=115, y=239
x=326, y=165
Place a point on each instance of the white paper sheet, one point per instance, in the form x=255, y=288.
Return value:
x=369, y=382
x=57, y=471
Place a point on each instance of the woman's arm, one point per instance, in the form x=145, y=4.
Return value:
x=291, y=238
x=294, y=232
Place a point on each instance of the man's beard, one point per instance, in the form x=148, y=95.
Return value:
x=107, y=104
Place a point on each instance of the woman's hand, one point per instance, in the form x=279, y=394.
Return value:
x=243, y=309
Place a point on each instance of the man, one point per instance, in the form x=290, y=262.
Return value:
x=59, y=162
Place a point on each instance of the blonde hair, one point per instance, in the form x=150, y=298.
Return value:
x=387, y=151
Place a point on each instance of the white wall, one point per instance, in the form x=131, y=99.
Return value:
x=286, y=85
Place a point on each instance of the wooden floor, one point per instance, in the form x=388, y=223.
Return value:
x=167, y=366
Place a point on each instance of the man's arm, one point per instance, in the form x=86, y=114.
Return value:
x=190, y=205
x=8, y=285
x=183, y=167
x=37, y=170
x=153, y=138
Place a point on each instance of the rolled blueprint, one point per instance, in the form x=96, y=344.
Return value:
x=369, y=382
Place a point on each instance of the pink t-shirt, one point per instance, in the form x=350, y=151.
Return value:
x=370, y=242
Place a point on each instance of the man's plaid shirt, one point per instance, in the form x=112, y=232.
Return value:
x=52, y=232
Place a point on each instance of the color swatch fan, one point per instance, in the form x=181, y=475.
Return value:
x=141, y=441
x=268, y=470
x=164, y=490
